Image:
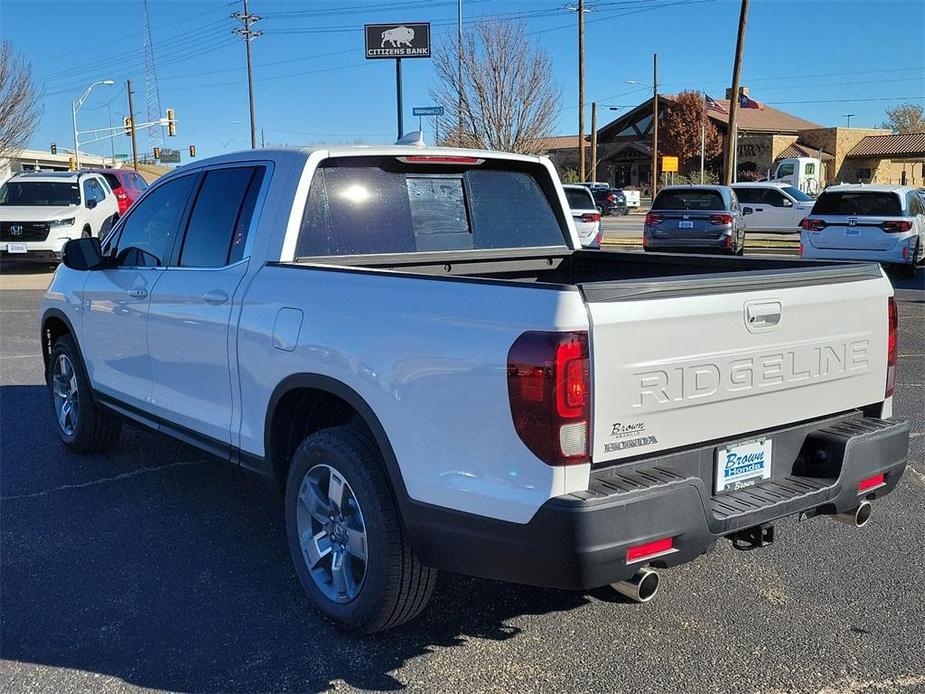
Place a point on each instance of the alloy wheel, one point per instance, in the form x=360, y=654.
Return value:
x=64, y=385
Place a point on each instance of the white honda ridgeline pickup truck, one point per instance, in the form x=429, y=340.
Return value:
x=438, y=378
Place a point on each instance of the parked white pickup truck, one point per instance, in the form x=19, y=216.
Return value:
x=437, y=379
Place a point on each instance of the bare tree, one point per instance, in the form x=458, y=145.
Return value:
x=506, y=100
x=905, y=118
x=19, y=114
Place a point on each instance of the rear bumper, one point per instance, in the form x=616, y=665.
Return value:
x=579, y=541
x=670, y=244
x=902, y=252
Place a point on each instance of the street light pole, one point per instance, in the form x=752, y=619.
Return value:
x=75, y=106
x=654, y=124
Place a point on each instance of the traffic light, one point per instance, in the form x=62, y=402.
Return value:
x=127, y=124
x=157, y=152
x=54, y=148
x=171, y=122
x=192, y=151
x=72, y=164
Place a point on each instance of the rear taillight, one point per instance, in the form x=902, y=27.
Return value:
x=653, y=218
x=610, y=197
x=812, y=224
x=549, y=386
x=896, y=227
x=720, y=219
x=591, y=217
x=891, y=347
x=121, y=196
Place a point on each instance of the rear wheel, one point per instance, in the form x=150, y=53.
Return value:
x=82, y=425
x=345, y=535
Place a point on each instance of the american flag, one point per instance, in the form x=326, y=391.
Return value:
x=745, y=102
x=713, y=104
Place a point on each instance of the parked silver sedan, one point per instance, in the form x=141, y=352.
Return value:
x=697, y=218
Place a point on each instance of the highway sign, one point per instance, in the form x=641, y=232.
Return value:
x=398, y=40
x=169, y=156
x=428, y=110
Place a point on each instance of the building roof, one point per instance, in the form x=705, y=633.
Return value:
x=767, y=120
x=797, y=149
x=763, y=120
x=907, y=145
x=551, y=144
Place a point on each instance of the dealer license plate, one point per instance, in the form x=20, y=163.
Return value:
x=15, y=248
x=742, y=465
x=685, y=225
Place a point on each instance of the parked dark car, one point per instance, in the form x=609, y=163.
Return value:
x=695, y=218
x=126, y=184
x=608, y=200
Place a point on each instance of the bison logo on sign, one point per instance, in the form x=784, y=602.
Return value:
x=397, y=37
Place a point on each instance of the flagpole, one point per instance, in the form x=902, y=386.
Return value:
x=703, y=132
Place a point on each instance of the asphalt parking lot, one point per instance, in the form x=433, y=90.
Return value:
x=153, y=568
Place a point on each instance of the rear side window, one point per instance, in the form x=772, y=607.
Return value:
x=859, y=203
x=353, y=210
x=220, y=218
x=747, y=195
x=579, y=199
x=689, y=200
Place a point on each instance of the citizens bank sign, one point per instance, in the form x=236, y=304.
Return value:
x=398, y=40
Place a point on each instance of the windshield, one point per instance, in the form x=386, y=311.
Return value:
x=39, y=194
x=579, y=199
x=689, y=200
x=859, y=203
x=796, y=194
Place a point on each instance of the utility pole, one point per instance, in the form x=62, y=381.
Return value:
x=732, y=136
x=131, y=115
x=247, y=20
x=581, y=91
x=112, y=136
x=401, y=127
x=263, y=142
x=459, y=70
x=654, y=124
x=593, y=141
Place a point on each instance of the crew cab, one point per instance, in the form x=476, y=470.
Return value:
x=436, y=379
x=772, y=207
x=41, y=211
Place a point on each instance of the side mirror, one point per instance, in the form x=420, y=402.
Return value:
x=91, y=203
x=788, y=202
x=83, y=254
x=747, y=210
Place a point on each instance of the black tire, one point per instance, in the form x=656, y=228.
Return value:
x=95, y=429
x=396, y=586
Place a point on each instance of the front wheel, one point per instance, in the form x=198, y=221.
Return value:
x=345, y=535
x=82, y=425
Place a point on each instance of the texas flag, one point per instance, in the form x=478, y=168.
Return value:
x=745, y=102
x=713, y=104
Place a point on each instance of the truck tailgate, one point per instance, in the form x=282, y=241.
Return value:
x=714, y=357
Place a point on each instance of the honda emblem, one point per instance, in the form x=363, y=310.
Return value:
x=16, y=230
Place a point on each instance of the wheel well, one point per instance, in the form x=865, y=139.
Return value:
x=299, y=413
x=52, y=329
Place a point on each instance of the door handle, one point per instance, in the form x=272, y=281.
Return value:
x=759, y=209
x=216, y=296
x=139, y=293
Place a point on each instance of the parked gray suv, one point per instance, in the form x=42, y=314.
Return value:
x=695, y=218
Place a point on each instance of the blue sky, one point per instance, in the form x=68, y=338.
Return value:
x=818, y=59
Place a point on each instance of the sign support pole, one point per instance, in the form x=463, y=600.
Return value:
x=401, y=130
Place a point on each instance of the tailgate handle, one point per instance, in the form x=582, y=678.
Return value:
x=762, y=315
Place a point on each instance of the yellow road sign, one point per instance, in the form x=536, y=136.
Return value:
x=669, y=164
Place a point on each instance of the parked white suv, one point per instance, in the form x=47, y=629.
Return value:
x=585, y=215
x=772, y=207
x=41, y=211
x=866, y=222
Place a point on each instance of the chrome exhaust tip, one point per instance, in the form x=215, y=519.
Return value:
x=858, y=517
x=642, y=587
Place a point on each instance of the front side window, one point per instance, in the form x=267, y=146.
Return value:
x=39, y=194
x=774, y=197
x=94, y=191
x=858, y=203
x=149, y=232
x=220, y=218
x=785, y=170
x=384, y=207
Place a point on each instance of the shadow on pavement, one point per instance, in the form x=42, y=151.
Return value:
x=169, y=571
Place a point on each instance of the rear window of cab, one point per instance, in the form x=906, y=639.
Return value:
x=376, y=205
x=859, y=203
